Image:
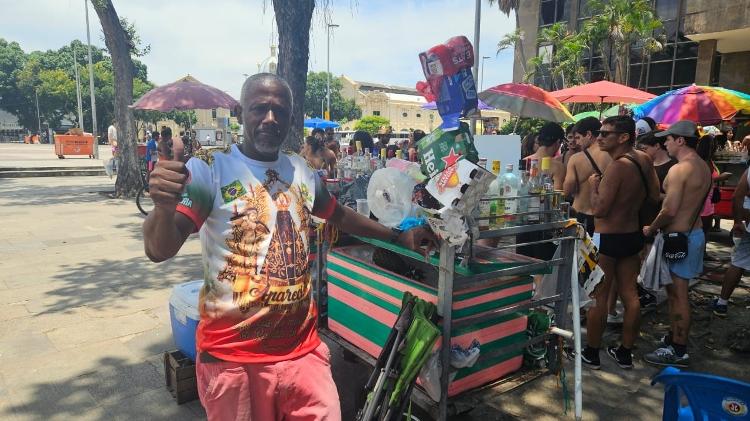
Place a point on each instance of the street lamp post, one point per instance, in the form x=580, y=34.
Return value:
x=38, y=120
x=328, y=68
x=481, y=78
x=91, y=85
x=322, y=115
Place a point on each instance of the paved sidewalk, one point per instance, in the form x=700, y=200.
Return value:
x=85, y=317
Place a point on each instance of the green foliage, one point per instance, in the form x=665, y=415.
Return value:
x=50, y=75
x=525, y=126
x=342, y=110
x=372, y=123
x=563, y=64
x=234, y=127
x=616, y=27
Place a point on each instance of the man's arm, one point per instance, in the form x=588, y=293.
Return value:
x=675, y=183
x=570, y=185
x=351, y=222
x=739, y=213
x=164, y=233
x=604, y=190
x=558, y=177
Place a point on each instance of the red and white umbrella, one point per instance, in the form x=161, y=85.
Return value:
x=526, y=100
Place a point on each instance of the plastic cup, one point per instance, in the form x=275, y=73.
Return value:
x=363, y=208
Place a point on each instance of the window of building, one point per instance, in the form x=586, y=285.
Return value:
x=404, y=115
x=419, y=115
x=552, y=11
x=213, y=113
x=376, y=113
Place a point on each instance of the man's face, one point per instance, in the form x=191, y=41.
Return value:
x=267, y=116
x=609, y=138
x=583, y=141
x=651, y=150
x=672, y=145
x=571, y=142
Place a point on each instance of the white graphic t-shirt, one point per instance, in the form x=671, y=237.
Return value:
x=254, y=220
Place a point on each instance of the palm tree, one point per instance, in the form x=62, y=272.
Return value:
x=617, y=25
x=516, y=37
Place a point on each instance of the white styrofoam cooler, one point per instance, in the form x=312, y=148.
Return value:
x=183, y=312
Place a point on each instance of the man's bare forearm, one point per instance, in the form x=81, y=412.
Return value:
x=353, y=223
x=162, y=237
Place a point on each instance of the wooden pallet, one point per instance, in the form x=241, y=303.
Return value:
x=179, y=374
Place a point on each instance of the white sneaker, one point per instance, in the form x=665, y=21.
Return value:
x=614, y=319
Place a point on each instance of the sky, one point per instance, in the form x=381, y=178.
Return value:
x=218, y=41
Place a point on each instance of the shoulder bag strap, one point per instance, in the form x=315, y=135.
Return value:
x=593, y=163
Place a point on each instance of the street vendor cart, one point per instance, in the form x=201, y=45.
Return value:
x=74, y=144
x=484, y=297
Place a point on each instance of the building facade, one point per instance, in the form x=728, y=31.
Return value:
x=401, y=106
x=707, y=43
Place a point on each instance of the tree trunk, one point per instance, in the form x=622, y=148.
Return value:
x=293, y=19
x=128, y=171
x=519, y=47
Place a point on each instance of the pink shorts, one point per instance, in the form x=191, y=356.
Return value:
x=301, y=389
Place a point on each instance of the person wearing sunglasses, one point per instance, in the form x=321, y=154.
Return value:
x=686, y=186
x=616, y=199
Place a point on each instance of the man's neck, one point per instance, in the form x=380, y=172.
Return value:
x=662, y=157
x=621, y=150
x=686, y=153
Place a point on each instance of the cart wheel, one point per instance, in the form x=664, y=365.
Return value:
x=60, y=157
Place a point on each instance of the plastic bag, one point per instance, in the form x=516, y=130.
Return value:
x=109, y=167
x=389, y=195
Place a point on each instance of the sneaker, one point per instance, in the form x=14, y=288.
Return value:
x=667, y=357
x=719, y=310
x=589, y=358
x=614, y=319
x=623, y=359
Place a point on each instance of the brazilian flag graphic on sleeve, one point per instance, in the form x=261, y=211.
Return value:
x=232, y=191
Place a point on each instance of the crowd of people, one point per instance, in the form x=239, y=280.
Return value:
x=632, y=187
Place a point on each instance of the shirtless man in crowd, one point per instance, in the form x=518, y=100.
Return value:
x=616, y=198
x=582, y=166
x=319, y=157
x=686, y=186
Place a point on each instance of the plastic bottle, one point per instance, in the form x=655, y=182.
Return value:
x=483, y=209
x=535, y=189
x=510, y=195
x=497, y=206
x=548, y=188
x=523, y=190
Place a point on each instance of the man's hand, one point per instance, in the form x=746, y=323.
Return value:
x=595, y=180
x=167, y=182
x=170, y=175
x=414, y=237
x=648, y=231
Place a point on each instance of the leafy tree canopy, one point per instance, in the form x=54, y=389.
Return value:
x=342, y=110
x=372, y=123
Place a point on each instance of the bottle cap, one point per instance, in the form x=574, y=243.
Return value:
x=509, y=167
x=546, y=163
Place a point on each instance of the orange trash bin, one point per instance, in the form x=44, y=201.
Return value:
x=71, y=144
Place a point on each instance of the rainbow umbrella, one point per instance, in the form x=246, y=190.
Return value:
x=526, y=100
x=704, y=105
